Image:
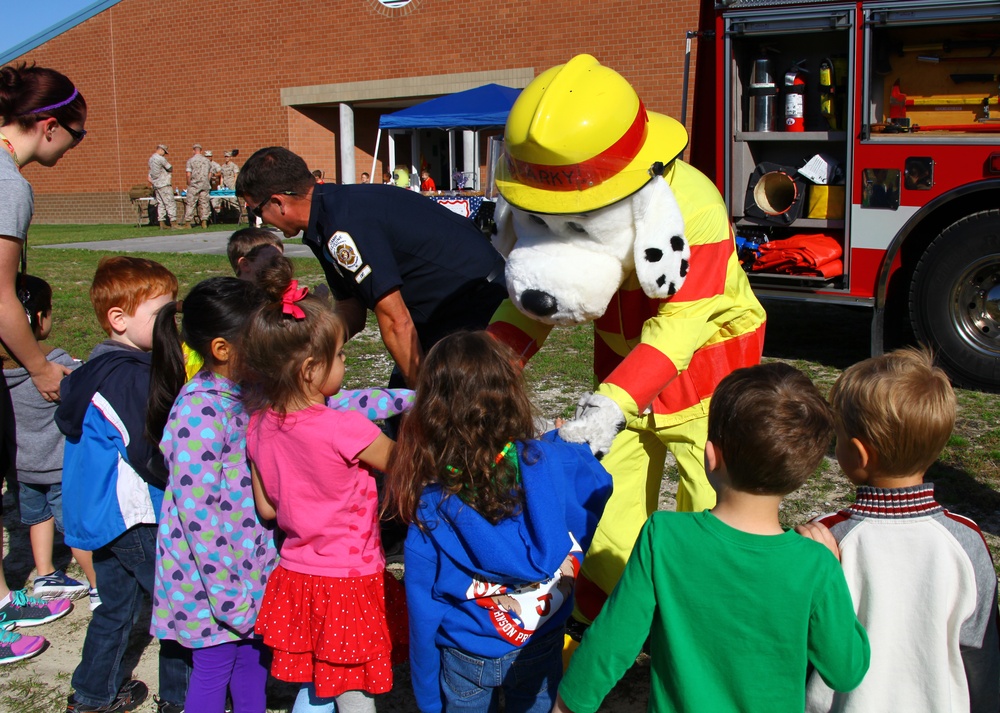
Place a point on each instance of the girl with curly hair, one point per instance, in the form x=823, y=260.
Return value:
x=498, y=525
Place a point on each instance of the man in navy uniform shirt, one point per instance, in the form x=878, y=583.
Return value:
x=423, y=270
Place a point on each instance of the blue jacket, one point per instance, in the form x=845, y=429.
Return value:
x=111, y=472
x=487, y=589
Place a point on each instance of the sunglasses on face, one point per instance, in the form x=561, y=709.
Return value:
x=77, y=135
x=256, y=210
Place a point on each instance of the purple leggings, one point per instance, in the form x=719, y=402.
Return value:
x=239, y=665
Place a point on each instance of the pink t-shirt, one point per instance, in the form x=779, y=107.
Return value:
x=326, y=500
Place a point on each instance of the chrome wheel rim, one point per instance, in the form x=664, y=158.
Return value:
x=975, y=305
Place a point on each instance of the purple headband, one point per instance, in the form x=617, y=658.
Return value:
x=54, y=106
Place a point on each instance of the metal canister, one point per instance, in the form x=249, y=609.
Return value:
x=763, y=94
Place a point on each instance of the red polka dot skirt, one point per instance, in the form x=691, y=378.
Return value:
x=328, y=631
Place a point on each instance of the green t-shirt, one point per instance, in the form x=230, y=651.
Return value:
x=735, y=620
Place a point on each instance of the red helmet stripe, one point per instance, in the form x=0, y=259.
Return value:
x=593, y=171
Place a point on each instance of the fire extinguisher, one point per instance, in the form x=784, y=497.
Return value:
x=827, y=99
x=795, y=89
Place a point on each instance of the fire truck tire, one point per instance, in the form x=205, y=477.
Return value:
x=955, y=300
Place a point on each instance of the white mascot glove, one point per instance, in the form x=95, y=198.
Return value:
x=597, y=421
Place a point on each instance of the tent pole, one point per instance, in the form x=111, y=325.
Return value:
x=392, y=151
x=378, y=140
x=476, y=181
x=415, y=158
x=451, y=159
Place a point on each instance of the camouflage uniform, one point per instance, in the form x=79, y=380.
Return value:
x=229, y=173
x=199, y=170
x=159, y=177
x=215, y=170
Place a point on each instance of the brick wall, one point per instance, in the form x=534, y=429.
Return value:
x=111, y=207
x=211, y=71
x=312, y=134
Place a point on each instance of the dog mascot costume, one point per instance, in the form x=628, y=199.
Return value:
x=600, y=222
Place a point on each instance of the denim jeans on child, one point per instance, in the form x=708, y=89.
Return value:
x=38, y=503
x=125, y=570
x=529, y=678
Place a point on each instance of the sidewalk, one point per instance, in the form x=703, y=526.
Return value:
x=173, y=242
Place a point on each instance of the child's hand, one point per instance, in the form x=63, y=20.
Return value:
x=560, y=421
x=821, y=534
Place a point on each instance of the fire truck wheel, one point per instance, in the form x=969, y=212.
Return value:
x=955, y=300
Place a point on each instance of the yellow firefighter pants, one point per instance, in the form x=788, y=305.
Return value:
x=636, y=461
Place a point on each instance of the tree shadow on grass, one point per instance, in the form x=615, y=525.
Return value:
x=964, y=495
x=833, y=335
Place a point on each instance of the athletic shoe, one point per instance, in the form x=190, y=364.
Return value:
x=130, y=696
x=58, y=586
x=167, y=707
x=95, y=598
x=14, y=646
x=23, y=610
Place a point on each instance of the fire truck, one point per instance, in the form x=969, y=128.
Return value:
x=857, y=145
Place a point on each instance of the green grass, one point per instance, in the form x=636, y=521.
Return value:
x=59, y=234
x=31, y=694
x=818, y=339
x=70, y=272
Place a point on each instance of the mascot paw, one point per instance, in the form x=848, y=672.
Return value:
x=598, y=420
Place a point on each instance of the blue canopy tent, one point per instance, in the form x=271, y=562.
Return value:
x=481, y=107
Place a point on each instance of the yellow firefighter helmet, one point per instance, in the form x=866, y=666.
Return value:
x=578, y=138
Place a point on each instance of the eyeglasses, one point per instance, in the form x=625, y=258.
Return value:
x=77, y=135
x=258, y=209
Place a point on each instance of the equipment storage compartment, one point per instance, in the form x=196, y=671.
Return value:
x=789, y=81
x=933, y=73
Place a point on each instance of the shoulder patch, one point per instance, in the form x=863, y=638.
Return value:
x=344, y=251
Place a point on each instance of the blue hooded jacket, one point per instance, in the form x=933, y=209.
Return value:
x=113, y=476
x=488, y=589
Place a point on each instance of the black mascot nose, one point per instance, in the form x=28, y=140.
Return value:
x=537, y=302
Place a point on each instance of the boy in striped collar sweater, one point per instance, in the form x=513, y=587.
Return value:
x=921, y=577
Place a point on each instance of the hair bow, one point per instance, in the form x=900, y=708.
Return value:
x=290, y=296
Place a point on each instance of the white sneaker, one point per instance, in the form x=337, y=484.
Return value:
x=58, y=586
x=95, y=599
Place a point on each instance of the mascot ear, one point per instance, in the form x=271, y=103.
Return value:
x=661, y=252
x=504, y=238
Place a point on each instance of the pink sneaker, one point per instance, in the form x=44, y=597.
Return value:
x=22, y=610
x=14, y=646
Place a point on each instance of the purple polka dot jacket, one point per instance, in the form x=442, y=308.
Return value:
x=213, y=556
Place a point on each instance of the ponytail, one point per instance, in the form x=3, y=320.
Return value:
x=219, y=307
x=35, y=295
x=167, y=372
x=292, y=327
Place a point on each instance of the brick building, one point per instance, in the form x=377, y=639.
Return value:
x=235, y=74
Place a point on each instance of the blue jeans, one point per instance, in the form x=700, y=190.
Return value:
x=125, y=570
x=528, y=677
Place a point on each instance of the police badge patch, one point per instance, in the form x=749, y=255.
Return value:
x=343, y=250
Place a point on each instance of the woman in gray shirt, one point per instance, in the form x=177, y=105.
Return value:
x=42, y=115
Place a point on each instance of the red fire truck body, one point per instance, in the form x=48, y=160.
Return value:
x=902, y=125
